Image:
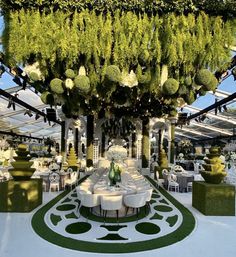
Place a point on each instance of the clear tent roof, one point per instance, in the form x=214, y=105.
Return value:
x=202, y=128
x=19, y=122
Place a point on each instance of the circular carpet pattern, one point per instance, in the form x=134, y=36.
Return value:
x=163, y=208
x=147, y=228
x=62, y=223
x=78, y=228
x=65, y=207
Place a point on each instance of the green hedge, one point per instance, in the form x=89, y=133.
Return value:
x=214, y=199
x=20, y=196
x=225, y=8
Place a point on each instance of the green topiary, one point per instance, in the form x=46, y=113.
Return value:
x=203, y=77
x=21, y=167
x=214, y=168
x=34, y=76
x=56, y=86
x=113, y=73
x=170, y=87
x=47, y=98
x=211, y=86
x=72, y=158
x=82, y=83
x=70, y=73
x=163, y=161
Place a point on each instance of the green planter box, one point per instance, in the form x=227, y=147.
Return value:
x=20, y=196
x=213, y=199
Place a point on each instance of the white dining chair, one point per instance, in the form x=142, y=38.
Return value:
x=178, y=168
x=165, y=172
x=135, y=201
x=172, y=182
x=111, y=203
x=89, y=200
x=54, y=181
x=157, y=178
x=73, y=180
x=189, y=186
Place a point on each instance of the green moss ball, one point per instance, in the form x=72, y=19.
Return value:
x=56, y=86
x=212, y=85
x=70, y=73
x=82, y=83
x=203, y=77
x=113, y=73
x=34, y=76
x=170, y=87
x=47, y=97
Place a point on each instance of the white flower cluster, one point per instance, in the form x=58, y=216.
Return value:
x=33, y=68
x=185, y=143
x=117, y=152
x=231, y=156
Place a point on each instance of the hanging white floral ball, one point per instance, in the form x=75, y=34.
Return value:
x=129, y=80
x=82, y=71
x=33, y=71
x=69, y=83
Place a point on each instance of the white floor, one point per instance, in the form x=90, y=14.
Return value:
x=213, y=237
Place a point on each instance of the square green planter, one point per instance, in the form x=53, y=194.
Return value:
x=20, y=196
x=213, y=199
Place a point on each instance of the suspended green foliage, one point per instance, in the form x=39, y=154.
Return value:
x=115, y=43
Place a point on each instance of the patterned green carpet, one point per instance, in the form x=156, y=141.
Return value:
x=167, y=222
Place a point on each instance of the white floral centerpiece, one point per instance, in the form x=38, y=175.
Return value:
x=117, y=153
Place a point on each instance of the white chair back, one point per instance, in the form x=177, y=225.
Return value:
x=111, y=203
x=69, y=170
x=165, y=172
x=135, y=200
x=172, y=177
x=178, y=168
x=90, y=200
x=54, y=177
